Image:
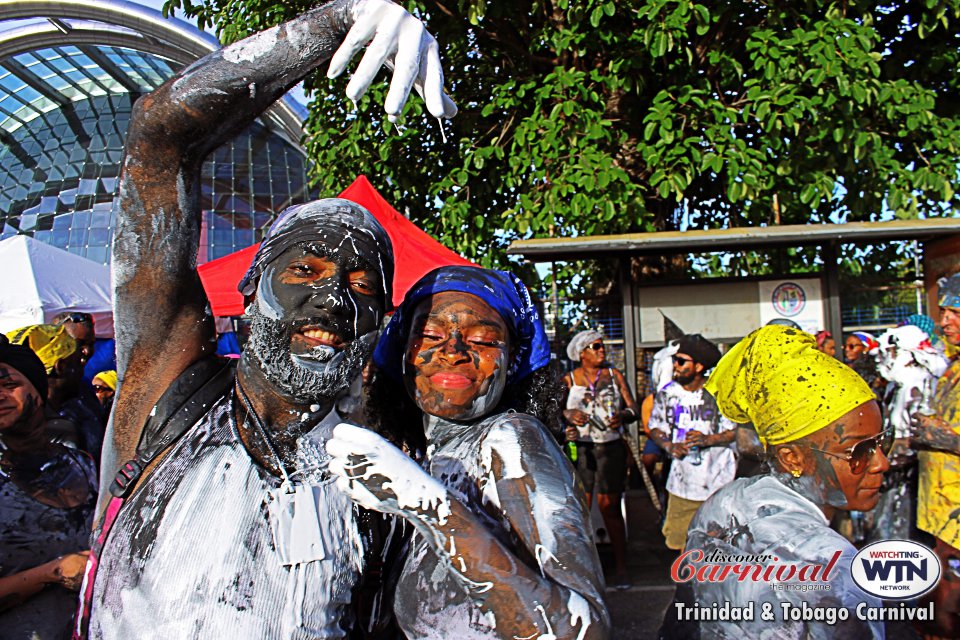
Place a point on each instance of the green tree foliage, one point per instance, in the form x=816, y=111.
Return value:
x=581, y=117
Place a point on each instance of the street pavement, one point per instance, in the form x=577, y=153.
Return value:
x=638, y=611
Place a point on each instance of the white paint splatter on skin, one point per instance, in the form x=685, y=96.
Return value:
x=232, y=568
x=548, y=635
x=252, y=48
x=580, y=613
x=505, y=445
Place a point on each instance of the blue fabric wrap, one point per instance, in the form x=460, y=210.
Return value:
x=949, y=293
x=505, y=294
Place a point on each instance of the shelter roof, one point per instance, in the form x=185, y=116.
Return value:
x=705, y=241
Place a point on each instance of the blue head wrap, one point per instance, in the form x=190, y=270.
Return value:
x=505, y=294
x=949, y=292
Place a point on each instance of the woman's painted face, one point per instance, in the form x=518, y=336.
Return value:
x=457, y=354
x=828, y=449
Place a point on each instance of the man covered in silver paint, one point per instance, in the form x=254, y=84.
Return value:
x=236, y=529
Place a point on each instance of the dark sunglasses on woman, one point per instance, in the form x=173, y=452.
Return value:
x=859, y=455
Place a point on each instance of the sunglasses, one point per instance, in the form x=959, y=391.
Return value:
x=596, y=346
x=77, y=317
x=101, y=389
x=859, y=455
x=681, y=360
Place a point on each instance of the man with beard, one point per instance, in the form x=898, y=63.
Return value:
x=687, y=424
x=235, y=528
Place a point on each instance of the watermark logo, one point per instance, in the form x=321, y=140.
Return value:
x=895, y=569
x=717, y=566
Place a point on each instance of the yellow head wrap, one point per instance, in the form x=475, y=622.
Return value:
x=50, y=342
x=776, y=379
x=108, y=378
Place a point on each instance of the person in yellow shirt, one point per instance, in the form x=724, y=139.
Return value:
x=938, y=438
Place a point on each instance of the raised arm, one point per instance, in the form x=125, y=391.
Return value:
x=551, y=585
x=161, y=314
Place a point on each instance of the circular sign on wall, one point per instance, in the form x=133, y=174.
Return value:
x=788, y=299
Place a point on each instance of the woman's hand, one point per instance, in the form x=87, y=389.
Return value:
x=615, y=420
x=572, y=434
x=399, y=40
x=377, y=475
x=575, y=417
x=67, y=571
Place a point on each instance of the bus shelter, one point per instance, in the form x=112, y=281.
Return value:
x=726, y=309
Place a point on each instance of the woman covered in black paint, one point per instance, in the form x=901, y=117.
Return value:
x=501, y=548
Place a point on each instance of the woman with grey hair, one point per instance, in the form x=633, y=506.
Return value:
x=598, y=404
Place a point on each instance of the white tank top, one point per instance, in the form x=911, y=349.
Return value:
x=598, y=402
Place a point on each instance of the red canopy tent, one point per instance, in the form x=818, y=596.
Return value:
x=415, y=253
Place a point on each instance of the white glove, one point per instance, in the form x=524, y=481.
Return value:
x=377, y=475
x=400, y=41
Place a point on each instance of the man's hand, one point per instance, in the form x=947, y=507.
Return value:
x=571, y=433
x=400, y=41
x=377, y=475
x=678, y=450
x=930, y=432
x=697, y=439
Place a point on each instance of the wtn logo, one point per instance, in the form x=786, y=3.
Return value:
x=895, y=569
x=903, y=570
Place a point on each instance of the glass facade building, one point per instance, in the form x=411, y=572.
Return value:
x=65, y=105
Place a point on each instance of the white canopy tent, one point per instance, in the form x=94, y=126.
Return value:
x=39, y=281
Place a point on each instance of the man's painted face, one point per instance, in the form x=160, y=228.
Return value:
x=457, y=356
x=19, y=399
x=828, y=466
x=684, y=368
x=950, y=325
x=315, y=318
x=853, y=348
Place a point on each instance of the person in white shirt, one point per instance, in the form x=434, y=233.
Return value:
x=687, y=424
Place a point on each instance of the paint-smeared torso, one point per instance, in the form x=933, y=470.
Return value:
x=511, y=474
x=192, y=554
